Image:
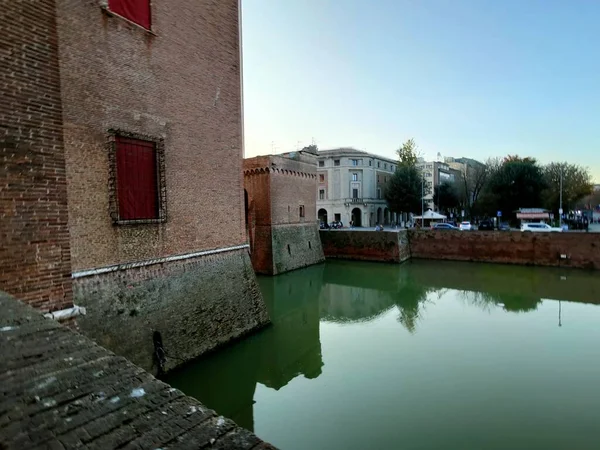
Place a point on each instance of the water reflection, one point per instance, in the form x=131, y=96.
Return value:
x=226, y=380
x=358, y=292
x=347, y=293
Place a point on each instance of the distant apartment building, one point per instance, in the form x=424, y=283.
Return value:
x=462, y=164
x=434, y=174
x=351, y=187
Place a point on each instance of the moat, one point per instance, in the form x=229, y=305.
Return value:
x=420, y=355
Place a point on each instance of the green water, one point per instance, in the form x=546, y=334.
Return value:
x=424, y=355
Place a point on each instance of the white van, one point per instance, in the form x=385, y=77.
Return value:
x=540, y=227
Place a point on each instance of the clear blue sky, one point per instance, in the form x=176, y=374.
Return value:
x=474, y=78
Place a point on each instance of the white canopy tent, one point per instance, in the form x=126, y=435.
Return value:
x=430, y=215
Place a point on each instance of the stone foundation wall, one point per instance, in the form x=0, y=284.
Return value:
x=582, y=250
x=295, y=246
x=385, y=246
x=196, y=304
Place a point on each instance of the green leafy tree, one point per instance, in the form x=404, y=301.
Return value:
x=407, y=154
x=403, y=191
x=576, y=185
x=445, y=196
x=518, y=183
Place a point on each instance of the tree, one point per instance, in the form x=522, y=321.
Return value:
x=403, y=191
x=513, y=158
x=474, y=179
x=576, y=185
x=407, y=154
x=518, y=183
x=445, y=196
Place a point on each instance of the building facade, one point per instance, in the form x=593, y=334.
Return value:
x=434, y=174
x=351, y=187
x=136, y=133
x=281, y=212
x=35, y=259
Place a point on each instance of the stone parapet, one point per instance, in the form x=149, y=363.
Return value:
x=60, y=390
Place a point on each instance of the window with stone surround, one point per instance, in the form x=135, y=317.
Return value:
x=137, y=185
x=301, y=211
x=321, y=194
x=136, y=11
x=321, y=163
x=321, y=178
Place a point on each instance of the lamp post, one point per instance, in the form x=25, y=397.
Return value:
x=422, y=197
x=560, y=209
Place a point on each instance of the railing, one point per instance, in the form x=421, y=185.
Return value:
x=363, y=200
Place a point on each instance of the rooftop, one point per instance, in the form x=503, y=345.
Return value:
x=349, y=151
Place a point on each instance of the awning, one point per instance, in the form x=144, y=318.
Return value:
x=430, y=215
x=530, y=215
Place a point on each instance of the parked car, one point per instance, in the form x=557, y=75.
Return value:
x=503, y=226
x=444, y=226
x=486, y=225
x=539, y=228
x=465, y=226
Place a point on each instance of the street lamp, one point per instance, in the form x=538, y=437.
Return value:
x=560, y=209
x=422, y=196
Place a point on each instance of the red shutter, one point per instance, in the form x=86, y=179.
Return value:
x=137, y=190
x=137, y=11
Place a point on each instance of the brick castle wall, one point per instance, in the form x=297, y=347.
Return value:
x=537, y=249
x=384, y=246
x=540, y=249
x=35, y=261
x=187, y=301
x=278, y=187
x=180, y=83
x=257, y=184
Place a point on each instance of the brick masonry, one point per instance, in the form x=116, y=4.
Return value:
x=59, y=390
x=187, y=301
x=385, y=246
x=35, y=263
x=277, y=186
x=582, y=250
x=180, y=83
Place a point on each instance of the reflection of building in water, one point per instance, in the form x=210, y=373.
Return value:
x=343, y=303
x=295, y=348
x=226, y=380
x=349, y=296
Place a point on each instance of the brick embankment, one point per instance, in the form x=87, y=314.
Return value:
x=385, y=246
x=59, y=390
x=579, y=250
